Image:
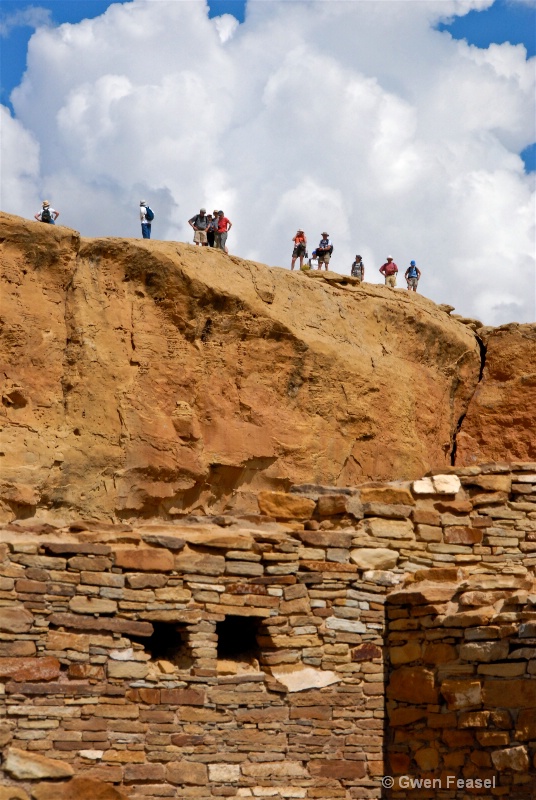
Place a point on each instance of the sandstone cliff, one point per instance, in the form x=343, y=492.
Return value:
x=144, y=378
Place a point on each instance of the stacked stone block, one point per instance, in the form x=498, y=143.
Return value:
x=120, y=647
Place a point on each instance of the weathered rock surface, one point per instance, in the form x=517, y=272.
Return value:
x=501, y=418
x=152, y=378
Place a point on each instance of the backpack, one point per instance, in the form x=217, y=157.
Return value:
x=46, y=216
x=149, y=214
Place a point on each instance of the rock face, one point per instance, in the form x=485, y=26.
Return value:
x=501, y=418
x=145, y=378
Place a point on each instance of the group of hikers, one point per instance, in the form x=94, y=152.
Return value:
x=322, y=254
x=211, y=230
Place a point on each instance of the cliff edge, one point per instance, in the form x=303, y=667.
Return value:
x=148, y=378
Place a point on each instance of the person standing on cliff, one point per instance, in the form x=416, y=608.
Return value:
x=210, y=230
x=146, y=217
x=389, y=271
x=412, y=276
x=224, y=226
x=324, y=251
x=200, y=223
x=300, y=247
x=47, y=213
x=358, y=269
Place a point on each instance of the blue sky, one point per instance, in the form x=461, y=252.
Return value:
x=511, y=21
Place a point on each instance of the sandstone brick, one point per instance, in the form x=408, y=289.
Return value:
x=514, y=758
x=492, y=483
x=30, y=669
x=224, y=773
x=463, y=693
x=15, y=620
x=474, y=719
x=389, y=528
x=374, y=558
x=144, y=772
x=413, y=685
x=439, y=653
x=399, y=763
x=460, y=534
x=387, y=494
x=429, y=533
x=275, y=770
x=25, y=765
x=366, y=652
x=484, y=651
x=285, y=506
x=145, y=559
x=199, y=563
x=92, y=605
x=405, y=654
x=525, y=725
x=329, y=505
x=337, y=769
x=187, y=773
x=509, y=694
x=114, y=624
x=427, y=758
x=405, y=716
x=182, y=697
x=127, y=670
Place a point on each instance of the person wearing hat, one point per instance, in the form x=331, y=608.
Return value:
x=300, y=247
x=200, y=223
x=358, y=269
x=224, y=226
x=389, y=270
x=146, y=217
x=412, y=276
x=47, y=213
x=212, y=224
x=324, y=250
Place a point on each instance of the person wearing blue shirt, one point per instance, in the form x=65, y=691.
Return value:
x=412, y=275
x=324, y=250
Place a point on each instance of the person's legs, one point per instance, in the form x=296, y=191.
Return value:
x=223, y=239
x=217, y=241
x=293, y=262
x=146, y=230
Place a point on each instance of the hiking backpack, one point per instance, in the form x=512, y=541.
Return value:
x=149, y=214
x=46, y=216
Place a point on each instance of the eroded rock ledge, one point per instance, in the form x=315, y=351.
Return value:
x=145, y=379
x=305, y=651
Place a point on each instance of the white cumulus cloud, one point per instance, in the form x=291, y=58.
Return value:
x=358, y=118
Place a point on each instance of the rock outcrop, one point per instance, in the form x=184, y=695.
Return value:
x=144, y=378
x=500, y=424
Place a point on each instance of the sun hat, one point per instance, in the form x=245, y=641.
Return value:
x=202, y=210
x=325, y=233
x=412, y=263
x=46, y=203
x=220, y=212
x=389, y=257
x=143, y=203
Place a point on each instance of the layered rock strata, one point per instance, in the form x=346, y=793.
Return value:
x=143, y=378
x=249, y=658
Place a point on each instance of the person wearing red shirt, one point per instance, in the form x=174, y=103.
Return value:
x=389, y=270
x=300, y=247
x=224, y=226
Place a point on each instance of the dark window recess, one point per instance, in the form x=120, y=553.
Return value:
x=237, y=637
x=167, y=642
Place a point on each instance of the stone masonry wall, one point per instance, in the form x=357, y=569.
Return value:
x=248, y=657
